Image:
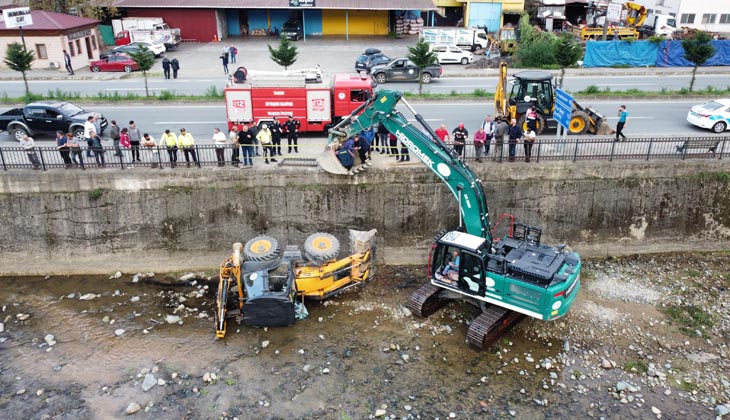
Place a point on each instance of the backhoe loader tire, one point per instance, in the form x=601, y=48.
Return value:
x=261, y=248
x=321, y=247
x=522, y=122
x=578, y=123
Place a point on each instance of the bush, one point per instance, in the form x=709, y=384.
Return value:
x=591, y=90
x=166, y=95
x=535, y=48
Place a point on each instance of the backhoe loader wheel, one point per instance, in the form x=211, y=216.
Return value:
x=522, y=122
x=261, y=248
x=578, y=123
x=321, y=247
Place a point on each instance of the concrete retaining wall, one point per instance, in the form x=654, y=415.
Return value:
x=144, y=219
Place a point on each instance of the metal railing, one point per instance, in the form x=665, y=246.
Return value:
x=545, y=149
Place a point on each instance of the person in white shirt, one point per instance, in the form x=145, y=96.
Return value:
x=28, y=144
x=220, y=140
x=89, y=126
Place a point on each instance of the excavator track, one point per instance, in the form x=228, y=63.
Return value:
x=486, y=329
x=426, y=300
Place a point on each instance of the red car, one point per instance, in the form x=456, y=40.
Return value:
x=114, y=62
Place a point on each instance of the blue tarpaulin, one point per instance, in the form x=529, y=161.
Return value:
x=612, y=53
x=671, y=54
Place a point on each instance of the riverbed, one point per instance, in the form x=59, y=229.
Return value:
x=647, y=338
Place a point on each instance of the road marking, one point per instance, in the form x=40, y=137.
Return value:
x=152, y=88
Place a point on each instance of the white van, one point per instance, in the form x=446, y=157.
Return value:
x=451, y=54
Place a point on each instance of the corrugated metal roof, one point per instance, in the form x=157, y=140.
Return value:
x=50, y=21
x=282, y=4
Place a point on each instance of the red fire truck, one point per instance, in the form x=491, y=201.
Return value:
x=317, y=104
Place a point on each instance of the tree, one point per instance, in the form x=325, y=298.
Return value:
x=698, y=50
x=95, y=9
x=285, y=54
x=568, y=51
x=536, y=48
x=422, y=57
x=145, y=59
x=19, y=59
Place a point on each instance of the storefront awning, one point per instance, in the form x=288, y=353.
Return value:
x=280, y=4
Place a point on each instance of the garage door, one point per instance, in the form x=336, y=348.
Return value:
x=485, y=14
x=360, y=22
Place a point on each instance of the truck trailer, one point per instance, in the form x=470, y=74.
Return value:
x=154, y=30
x=474, y=39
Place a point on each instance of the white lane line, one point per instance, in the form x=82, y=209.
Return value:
x=152, y=88
x=162, y=107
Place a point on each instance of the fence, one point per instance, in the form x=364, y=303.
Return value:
x=547, y=149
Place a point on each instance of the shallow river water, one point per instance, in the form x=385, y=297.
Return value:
x=356, y=354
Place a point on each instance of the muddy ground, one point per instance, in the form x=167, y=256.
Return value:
x=647, y=338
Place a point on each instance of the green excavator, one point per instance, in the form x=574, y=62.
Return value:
x=508, y=277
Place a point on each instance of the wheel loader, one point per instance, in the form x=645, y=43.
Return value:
x=534, y=87
x=260, y=287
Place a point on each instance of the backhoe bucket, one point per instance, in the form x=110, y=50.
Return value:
x=604, y=129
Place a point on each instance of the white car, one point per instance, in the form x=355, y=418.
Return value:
x=713, y=115
x=157, y=48
x=451, y=54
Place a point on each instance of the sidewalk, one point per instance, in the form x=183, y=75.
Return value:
x=333, y=54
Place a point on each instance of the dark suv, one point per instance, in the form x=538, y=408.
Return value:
x=292, y=29
x=371, y=57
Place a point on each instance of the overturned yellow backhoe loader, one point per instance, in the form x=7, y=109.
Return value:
x=261, y=287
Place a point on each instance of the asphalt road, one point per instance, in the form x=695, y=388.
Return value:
x=646, y=117
x=198, y=85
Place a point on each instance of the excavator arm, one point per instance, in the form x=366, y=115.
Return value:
x=426, y=146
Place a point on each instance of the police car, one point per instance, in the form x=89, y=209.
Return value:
x=713, y=115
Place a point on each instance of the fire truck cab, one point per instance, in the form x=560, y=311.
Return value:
x=318, y=104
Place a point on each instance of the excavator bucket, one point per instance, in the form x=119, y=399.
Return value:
x=328, y=161
x=604, y=129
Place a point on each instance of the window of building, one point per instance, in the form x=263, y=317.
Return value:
x=660, y=2
x=93, y=42
x=708, y=18
x=687, y=18
x=78, y=46
x=725, y=18
x=40, y=51
x=71, y=49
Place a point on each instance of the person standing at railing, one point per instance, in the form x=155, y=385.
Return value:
x=292, y=127
x=490, y=128
x=623, y=115
x=530, y=139
x=245, y=139
x=480, y=138
x=73, y=146
x=135, y=137
x=98, y=149
x=28, y=144
x=170, y=142
x=114, y=133
x=459, y=135
x=501, y=131
x=187, y=142
x=276, y=132
x=515, y=134
x=233, y=141
x=63, y=148
x=220, y=140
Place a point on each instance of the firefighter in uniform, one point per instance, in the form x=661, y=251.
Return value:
x=292, y=133
x=275, y=128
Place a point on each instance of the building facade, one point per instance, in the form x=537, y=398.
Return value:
x=50, y=34
x=202, y=20
x=490, y=14
x=707, y=15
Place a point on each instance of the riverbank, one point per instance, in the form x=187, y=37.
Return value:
x=627, y=349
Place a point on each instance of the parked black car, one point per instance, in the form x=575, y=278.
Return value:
x=371, y=57
x=292, y=29
x=404, y=69
x=46, y=117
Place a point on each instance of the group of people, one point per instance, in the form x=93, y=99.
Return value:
x=254, y=141
x=495, y=130
x=168, y=65
x=362, y=145
x=228, y=56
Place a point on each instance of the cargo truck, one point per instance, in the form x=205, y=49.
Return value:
x=473, y=39
x=154, y=30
